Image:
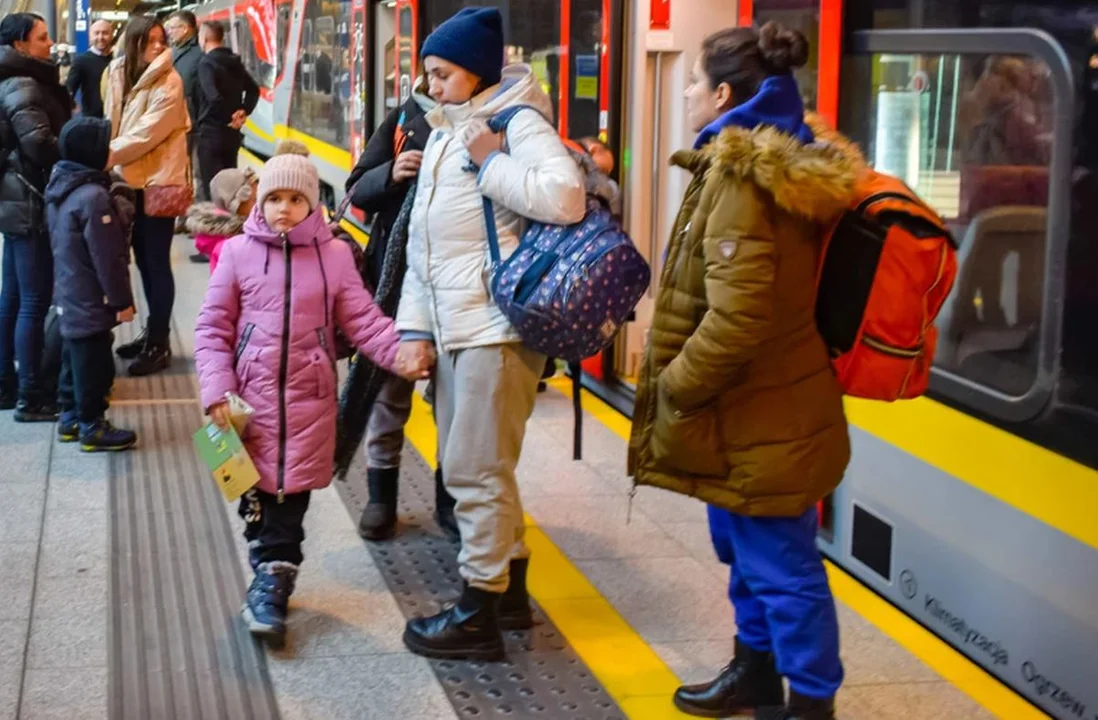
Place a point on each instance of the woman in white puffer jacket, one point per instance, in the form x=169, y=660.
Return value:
x=486, y=379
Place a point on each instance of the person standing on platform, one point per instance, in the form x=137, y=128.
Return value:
x=149, y=124
x=379, y=185
x=737, y=403
x=34, y=106
x=87, y=70
x=89, y=239
x=228, y=94
x=265, y=333
x=182, y=29
x=486, y=379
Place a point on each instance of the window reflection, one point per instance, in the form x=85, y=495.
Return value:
x=322, y=83
x=971, y=135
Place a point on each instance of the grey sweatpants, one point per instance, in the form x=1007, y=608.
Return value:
x=483, y=398
x=385, y=430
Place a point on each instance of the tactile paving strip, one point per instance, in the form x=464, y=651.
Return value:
x=542, y=676
x=178, y=650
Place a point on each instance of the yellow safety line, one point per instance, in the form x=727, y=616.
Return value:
x=954, y=667
x=628, y=669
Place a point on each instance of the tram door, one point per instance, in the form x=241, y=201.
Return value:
x=396, y=44
x=658, y=54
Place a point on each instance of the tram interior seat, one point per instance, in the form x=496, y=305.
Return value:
x=990, y=325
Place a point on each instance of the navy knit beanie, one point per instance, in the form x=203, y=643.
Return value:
x=87, y=141
x=472, y=39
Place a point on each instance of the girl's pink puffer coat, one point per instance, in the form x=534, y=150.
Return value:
x=266, y=333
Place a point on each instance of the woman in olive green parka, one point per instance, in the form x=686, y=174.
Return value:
x=737, y=403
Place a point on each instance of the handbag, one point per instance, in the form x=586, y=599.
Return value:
x=168, y=201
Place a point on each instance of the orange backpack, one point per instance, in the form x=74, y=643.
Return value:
x=888, y=265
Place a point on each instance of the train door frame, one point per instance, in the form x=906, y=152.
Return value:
x=829, y=50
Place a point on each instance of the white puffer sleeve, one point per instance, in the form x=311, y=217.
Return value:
x=537, y=177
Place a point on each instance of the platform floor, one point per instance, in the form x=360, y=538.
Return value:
x=124, y=574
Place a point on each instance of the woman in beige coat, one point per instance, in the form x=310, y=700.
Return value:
x=149, y=125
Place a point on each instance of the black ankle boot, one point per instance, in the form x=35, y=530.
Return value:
x=444, y=509
x=514, y=606
x=468, y=629
x=33, y=408
x=130, y=350
x=379, y=517
x=801, y=708
x=155, y=357
x=9, y=393
x=749, y=683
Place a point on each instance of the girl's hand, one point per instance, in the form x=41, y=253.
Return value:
x=220, y=415
x=480, y=141
x=415, y=359
x=406, y=166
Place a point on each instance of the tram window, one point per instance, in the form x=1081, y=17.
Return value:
x=283, y=34
x=972, y=135
x=321, y=105
x=803, y=15
x=533, y=36
x=244, y=43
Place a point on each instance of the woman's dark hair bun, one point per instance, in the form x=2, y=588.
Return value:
x=781, y=48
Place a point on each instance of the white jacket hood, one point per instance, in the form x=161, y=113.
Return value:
x=445, y=292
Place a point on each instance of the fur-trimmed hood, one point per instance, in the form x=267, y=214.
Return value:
x=205, y=218
x=814, y=181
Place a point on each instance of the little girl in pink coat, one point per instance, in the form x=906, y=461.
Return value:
x=266, y=333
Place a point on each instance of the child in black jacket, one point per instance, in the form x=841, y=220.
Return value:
x=88, y=237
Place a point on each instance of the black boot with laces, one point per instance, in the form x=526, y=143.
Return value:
x=467, y=630
x=749, y=684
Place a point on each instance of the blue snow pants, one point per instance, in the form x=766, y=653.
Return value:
x=782, y=599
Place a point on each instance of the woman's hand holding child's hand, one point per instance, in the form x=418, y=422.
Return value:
x=415, y=359
x=220, y=415
x=480, y=141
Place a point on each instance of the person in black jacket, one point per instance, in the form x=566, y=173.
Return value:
x=228, y=95
x=33, y=108
x=91, y=264
x=182, y=29
x=378, y=186
x=87, y=69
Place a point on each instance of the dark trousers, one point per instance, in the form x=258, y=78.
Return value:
x=201, y=193
x=152, y=250
x=778, y=587
x=218, y=149
x=274, y=530
x=25, y=294
x=87, y=373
